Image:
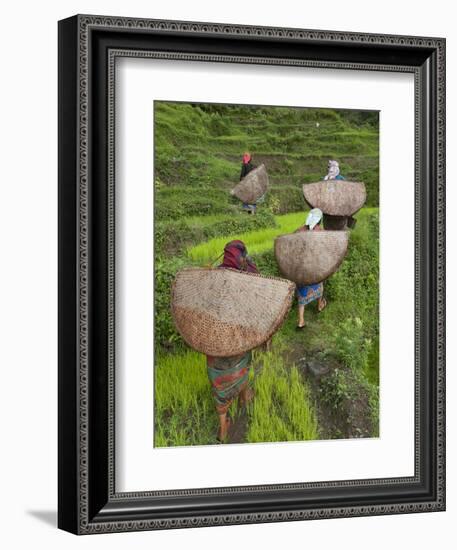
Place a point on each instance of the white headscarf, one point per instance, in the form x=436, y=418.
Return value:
x=313, y=218
x=333, y=170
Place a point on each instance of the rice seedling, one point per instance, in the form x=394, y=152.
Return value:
x=282, y=408
x=184, y=409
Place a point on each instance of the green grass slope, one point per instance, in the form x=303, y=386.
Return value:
x=198, y=147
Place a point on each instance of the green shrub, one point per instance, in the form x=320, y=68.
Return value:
x=177, y=202
x=351, y=398
x=266, y=263
x=350, y=345
x=165, y=334
x=335, y=389
x=285, y=199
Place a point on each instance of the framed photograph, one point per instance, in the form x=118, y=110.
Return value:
x=251, y=274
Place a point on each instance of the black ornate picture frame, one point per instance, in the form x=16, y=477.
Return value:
x=88, y=47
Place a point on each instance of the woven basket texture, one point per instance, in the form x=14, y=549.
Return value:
x=310, y=257
x=336, y=197
x=253, y=186
x=225, y=312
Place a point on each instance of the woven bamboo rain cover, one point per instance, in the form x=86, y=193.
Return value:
x=336, y=197
x=309, y=257
x=253, y=186
x=224, y=312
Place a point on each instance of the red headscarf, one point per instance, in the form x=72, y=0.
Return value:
x=246, y=158
x=235, y=256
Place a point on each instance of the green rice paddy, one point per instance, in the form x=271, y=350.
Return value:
x=256, y=242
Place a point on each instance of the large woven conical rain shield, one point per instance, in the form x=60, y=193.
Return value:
x=225, y=312
x=310, y=257
x=336, y=197
x=253, y=186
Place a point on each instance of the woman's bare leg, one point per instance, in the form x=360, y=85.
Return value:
x=246, y=395
x=301, y=315
x=223, y=427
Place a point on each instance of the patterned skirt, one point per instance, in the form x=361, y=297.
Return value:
x=309, y=293
x=228, y=376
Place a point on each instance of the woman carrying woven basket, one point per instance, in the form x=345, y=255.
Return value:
x=334, y=222
x=229, y=376
x=308, y=293
x=333, y=172
x=246, y=167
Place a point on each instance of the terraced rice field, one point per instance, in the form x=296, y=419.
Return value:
x=197, y=163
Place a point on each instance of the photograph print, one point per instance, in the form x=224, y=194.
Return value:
x=266, y=263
